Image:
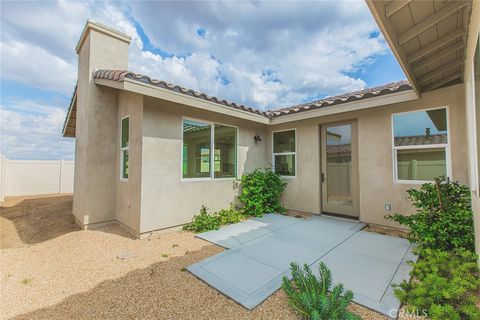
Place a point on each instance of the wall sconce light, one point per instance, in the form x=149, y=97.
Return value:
x=257, y=137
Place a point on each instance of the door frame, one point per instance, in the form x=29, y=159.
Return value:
x=342, y=210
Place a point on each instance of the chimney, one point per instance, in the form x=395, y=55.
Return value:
x=427, y=132
x=99, y=47
x=104, y=47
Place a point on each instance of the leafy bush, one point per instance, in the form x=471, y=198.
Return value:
x=231, y=215
x=444, y=285
x=444, y=219
x=313, y=297
x=204, y=221
x=260, y=192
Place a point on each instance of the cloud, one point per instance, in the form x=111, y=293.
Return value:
x=260, y=53
x=33, y=136
x=310, y=46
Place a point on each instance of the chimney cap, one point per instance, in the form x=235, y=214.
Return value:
x=90, y=24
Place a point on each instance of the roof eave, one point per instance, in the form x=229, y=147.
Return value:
x=66, y=124
x=389, y=36
x=372, y=102
x=177, y=97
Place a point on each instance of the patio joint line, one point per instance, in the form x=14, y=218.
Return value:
x=396, y=270
x=334, y=247
x=263, y=235
x=215, y=276
x=261, y=262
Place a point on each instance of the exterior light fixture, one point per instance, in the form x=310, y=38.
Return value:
x=257, y=137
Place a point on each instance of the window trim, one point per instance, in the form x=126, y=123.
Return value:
x=446, y=146
x=286, y=153
x=122, y=149
x=212, y=151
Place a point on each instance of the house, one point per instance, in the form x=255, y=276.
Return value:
x=149, y=153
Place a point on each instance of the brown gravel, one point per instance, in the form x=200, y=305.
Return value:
x=77, y=275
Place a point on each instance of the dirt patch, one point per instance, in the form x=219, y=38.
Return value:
x=298, y=214
x=32, y=219
x=105, y=274
x=394, y=232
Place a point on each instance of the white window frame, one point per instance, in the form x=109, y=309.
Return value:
x=212, y=151
x=285, y=153
x=446, y=146
x=122, y=149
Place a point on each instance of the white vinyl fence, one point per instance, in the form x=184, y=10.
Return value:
x=28, y=177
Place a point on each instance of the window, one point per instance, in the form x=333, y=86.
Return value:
x=225, y=165
x=420, y=146
x=284, y=153
x=199, y=138
x=124, y=148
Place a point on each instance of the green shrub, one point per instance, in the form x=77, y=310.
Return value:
x=260, y=192
x=444, y=285
x=444, y=219
x=231, y=215
x=313, y=297
x=204, y=221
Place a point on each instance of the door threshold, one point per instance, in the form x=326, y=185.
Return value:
x=338, y=215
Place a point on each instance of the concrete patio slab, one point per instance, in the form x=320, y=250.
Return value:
x=377, y=246
x=261, y=250
x=277, y=250
x=233, y=235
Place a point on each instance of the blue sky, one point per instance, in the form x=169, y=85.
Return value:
x=262, y=54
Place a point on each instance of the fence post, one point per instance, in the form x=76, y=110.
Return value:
x=60, y=182
x=3, y=176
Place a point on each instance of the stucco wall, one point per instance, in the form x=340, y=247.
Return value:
x=128, y=193
x=375, y=155
x=167, y=200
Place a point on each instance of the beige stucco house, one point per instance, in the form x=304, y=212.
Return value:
x=149, y=154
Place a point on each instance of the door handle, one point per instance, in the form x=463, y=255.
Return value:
x=322, y=177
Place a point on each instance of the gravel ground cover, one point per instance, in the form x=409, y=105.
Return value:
x=105, y=274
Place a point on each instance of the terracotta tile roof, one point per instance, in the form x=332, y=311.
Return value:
x=120, y=75
x=346, y=97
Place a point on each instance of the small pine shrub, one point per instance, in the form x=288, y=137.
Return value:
x=444, y=219
x=313, y=298
x=260, y=192
x=204, y=221
x=444, y=285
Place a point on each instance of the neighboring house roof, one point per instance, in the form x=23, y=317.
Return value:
x=121, y=75
x=338, y=148
x=439, y=138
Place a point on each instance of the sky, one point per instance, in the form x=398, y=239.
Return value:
x=264, y=54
